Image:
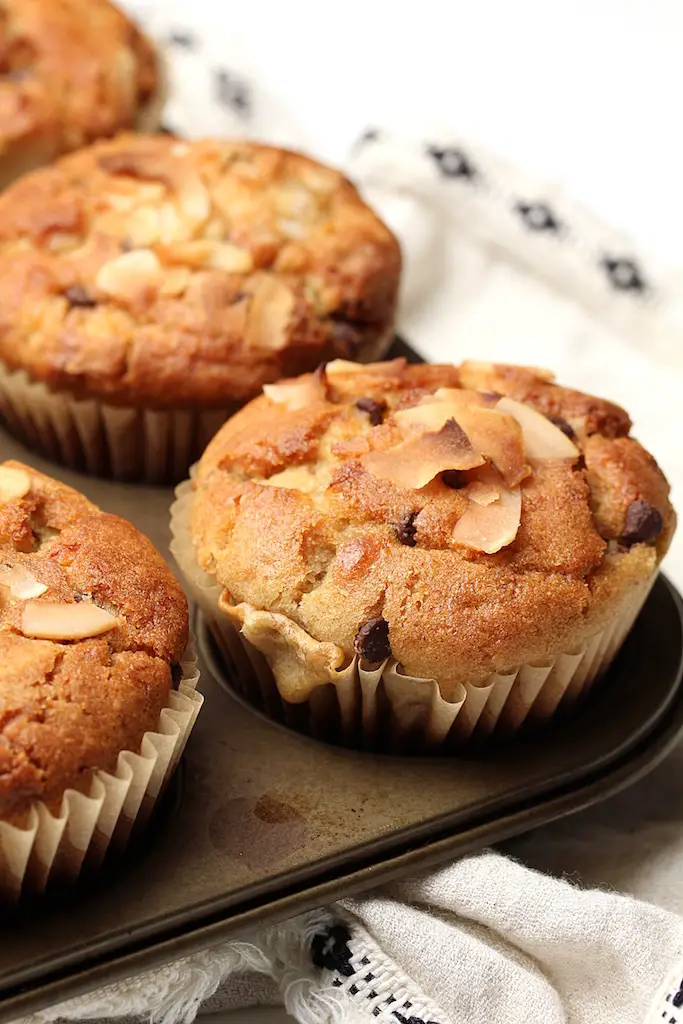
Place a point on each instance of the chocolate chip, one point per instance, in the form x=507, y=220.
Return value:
x=372, y=640
x=374, y=409
x=406, y=530
x=77, y=295
x=562, y=425
x=643, y=523
x=453, y=478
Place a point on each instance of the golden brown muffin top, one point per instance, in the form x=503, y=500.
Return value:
x=71, y=71
x=148, y=271
x=91, y=621
x=464, y=519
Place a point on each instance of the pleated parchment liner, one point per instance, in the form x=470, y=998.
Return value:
x=145, y=445
x=378, y=707
x=58, y=847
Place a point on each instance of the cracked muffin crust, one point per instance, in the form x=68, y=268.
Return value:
x=464, y=520
x=153, y=273
x=71, y=71
x=91, y=623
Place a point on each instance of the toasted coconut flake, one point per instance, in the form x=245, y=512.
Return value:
x=493, y=434
x=418, y=460
x=489, y=528
x=270, y=313
x=541, y=438
x=47, y=620
x=482, y=492
x=461, y=396
x=21, y=583
x=14, y=483
x=297, y=394
x=388, y=369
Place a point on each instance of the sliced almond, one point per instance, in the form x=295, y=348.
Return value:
x=541, y=438
x=47, y=620
x=194, y=199
x=490, y=527
x=143, y=226
x=493, y=434
x=126, y=275
x=418, y=460
x=175, y=281
x=22, y=584
x=299, y=393
x=228, y=257
x=14, y=483
x=269, y=314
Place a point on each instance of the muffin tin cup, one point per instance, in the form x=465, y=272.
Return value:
x=380, y=708
x=62, y=846
x=143, y=445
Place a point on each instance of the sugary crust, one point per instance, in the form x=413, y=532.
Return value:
x=71, y=71
x=149, y=272
x=68, y=708
x=325, y=550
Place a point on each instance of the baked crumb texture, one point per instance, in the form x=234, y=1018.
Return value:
x=459, y=521
x=71, y=71
x=91, y=621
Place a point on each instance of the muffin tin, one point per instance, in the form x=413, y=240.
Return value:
x=264, y=824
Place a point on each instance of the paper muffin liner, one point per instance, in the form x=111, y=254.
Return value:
x=145, y=445
x=380, y=707
x=59, y=847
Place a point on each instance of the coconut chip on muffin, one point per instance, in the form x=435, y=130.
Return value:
x=71, y=71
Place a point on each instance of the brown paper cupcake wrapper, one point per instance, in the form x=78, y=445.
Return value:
x=145, y=445
x=58, y=847
x=380, y=707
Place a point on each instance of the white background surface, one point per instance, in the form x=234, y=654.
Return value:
x=587, y=94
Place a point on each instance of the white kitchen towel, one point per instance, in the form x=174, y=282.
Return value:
x=498, y=266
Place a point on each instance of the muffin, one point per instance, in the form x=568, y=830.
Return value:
x=149, y=287
x=419, y=558
x=72, y=71
x=98, y=688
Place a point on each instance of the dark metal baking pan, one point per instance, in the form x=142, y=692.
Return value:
x=264, y=824
x=267, y=823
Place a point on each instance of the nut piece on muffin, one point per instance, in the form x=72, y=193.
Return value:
x=179, y=277
x=93, y=627
x=479, y=529
x=72, y=71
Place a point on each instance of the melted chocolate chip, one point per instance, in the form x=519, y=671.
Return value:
x=406, y=530
x=643, y=523
x=562, y=425
x=374, y=409
x=372, y=640
x=453, y=478
x=77, y=295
